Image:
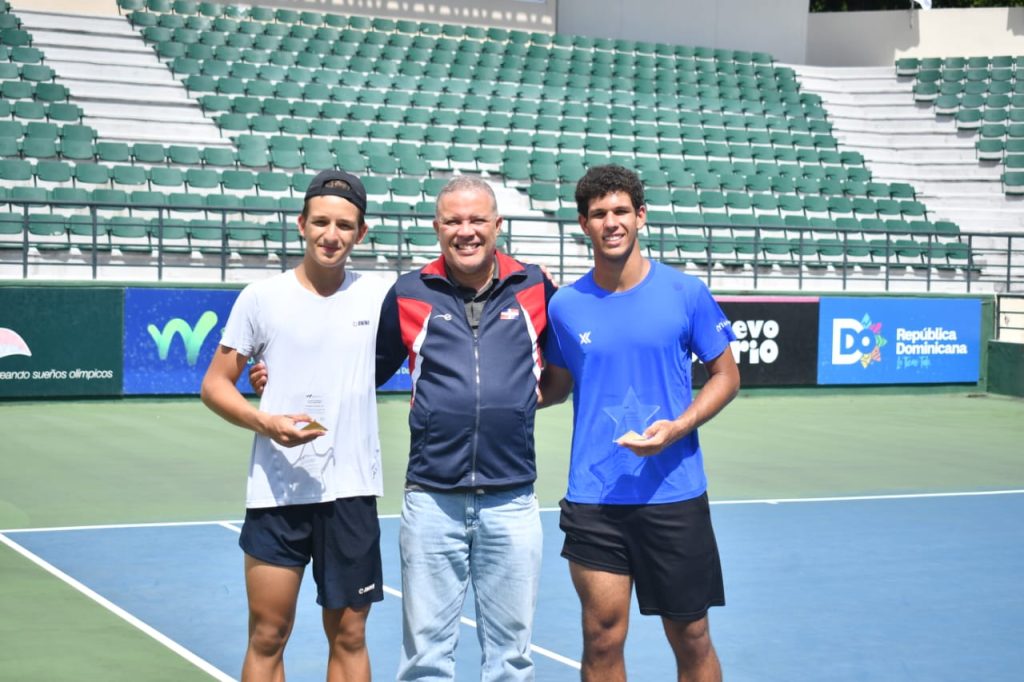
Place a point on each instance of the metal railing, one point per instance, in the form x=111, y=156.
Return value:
x=59, y=240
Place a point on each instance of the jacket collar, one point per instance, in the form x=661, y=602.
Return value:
x=506, y=267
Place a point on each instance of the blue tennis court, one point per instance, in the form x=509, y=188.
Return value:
x=917, y=587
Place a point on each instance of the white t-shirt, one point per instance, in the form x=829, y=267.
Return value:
x=320, y=357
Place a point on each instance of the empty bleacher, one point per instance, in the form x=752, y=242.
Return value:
x=983, y=95
x=746, y=178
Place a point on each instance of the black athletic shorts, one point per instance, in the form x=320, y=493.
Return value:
x=668, y=549
x=341, y=537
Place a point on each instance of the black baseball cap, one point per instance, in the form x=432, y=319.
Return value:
x=355, y=192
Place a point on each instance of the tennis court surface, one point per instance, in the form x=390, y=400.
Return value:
x=885, y=544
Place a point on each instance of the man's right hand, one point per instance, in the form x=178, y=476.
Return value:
x=258, y=378
x=281, y=429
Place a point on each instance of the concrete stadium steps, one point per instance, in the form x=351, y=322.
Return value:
x=126, y=93
x=536, y=241
x=874, y=112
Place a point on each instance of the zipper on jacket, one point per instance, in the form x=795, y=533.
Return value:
x=476, y=427
x=476, y=375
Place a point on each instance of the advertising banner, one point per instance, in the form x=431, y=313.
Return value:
x=400, y=381
x=170, y=336
x=60, y=341
x=776, y=340
x=899, y=341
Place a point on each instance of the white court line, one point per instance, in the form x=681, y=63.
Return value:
x=115, y=526
x=855, y=498
x=189, y=656
x=465, y=621
x=768, y=501
x=859, y=498
x=547, y=653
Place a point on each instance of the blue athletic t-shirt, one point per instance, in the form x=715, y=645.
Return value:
x=629, y=356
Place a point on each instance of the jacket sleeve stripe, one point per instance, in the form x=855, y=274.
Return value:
x=413, y=318
x=532, y=300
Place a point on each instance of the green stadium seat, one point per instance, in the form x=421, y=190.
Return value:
x=88, y=233
x=25, y=110
x=207, y=237
x=39, y=148
x=907, y=66
x=53, y=172
x=167, y=178
x=202, y=179
x=1013, y=182
x=15, y=90
x=169, y=235
x=48, y=232
x=130, y=235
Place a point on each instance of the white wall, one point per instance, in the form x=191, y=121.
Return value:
x=879, y=38
x=775, y=26
x=529, y=15
x=100, y=7
x=781, y=27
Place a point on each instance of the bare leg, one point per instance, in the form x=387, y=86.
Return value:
x=696, y=660
x=273, y=591
x=605, y=600
x=349, y=660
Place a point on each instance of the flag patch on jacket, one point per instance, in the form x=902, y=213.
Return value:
x=511, y=313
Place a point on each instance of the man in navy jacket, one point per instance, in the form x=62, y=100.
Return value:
x=472, y=325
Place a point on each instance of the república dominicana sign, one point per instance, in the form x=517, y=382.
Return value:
x=899, y=340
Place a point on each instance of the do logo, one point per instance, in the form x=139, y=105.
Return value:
x=852, y=340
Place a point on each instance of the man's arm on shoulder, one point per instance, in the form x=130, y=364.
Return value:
x=555, y=385
x=391, y=352
x=722, y=386
x=221, y=395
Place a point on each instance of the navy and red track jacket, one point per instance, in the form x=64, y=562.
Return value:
x=473, y=396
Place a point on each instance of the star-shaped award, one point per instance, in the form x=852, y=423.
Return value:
x=631, y=415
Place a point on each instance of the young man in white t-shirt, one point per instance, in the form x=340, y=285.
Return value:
x=315, y=471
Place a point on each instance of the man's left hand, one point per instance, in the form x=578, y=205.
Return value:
x=656, y=438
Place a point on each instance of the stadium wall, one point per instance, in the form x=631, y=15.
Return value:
x=879, y=38
x=99, y=7
x=529, y=15
x=775, y=26
x=783, y=28
x=1006, y=368
x=63, y=340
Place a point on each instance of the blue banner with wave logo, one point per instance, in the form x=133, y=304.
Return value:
x=170, y=336
x=899, y=341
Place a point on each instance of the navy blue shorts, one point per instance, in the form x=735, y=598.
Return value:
x=668, y=549
x=342, y=538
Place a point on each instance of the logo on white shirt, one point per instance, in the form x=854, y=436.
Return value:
x=584, y=338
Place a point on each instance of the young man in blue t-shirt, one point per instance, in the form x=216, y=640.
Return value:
x=636, y=510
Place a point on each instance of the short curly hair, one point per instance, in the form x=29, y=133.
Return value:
x=601, y=180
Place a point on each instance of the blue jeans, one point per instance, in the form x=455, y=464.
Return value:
x=449, y=539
